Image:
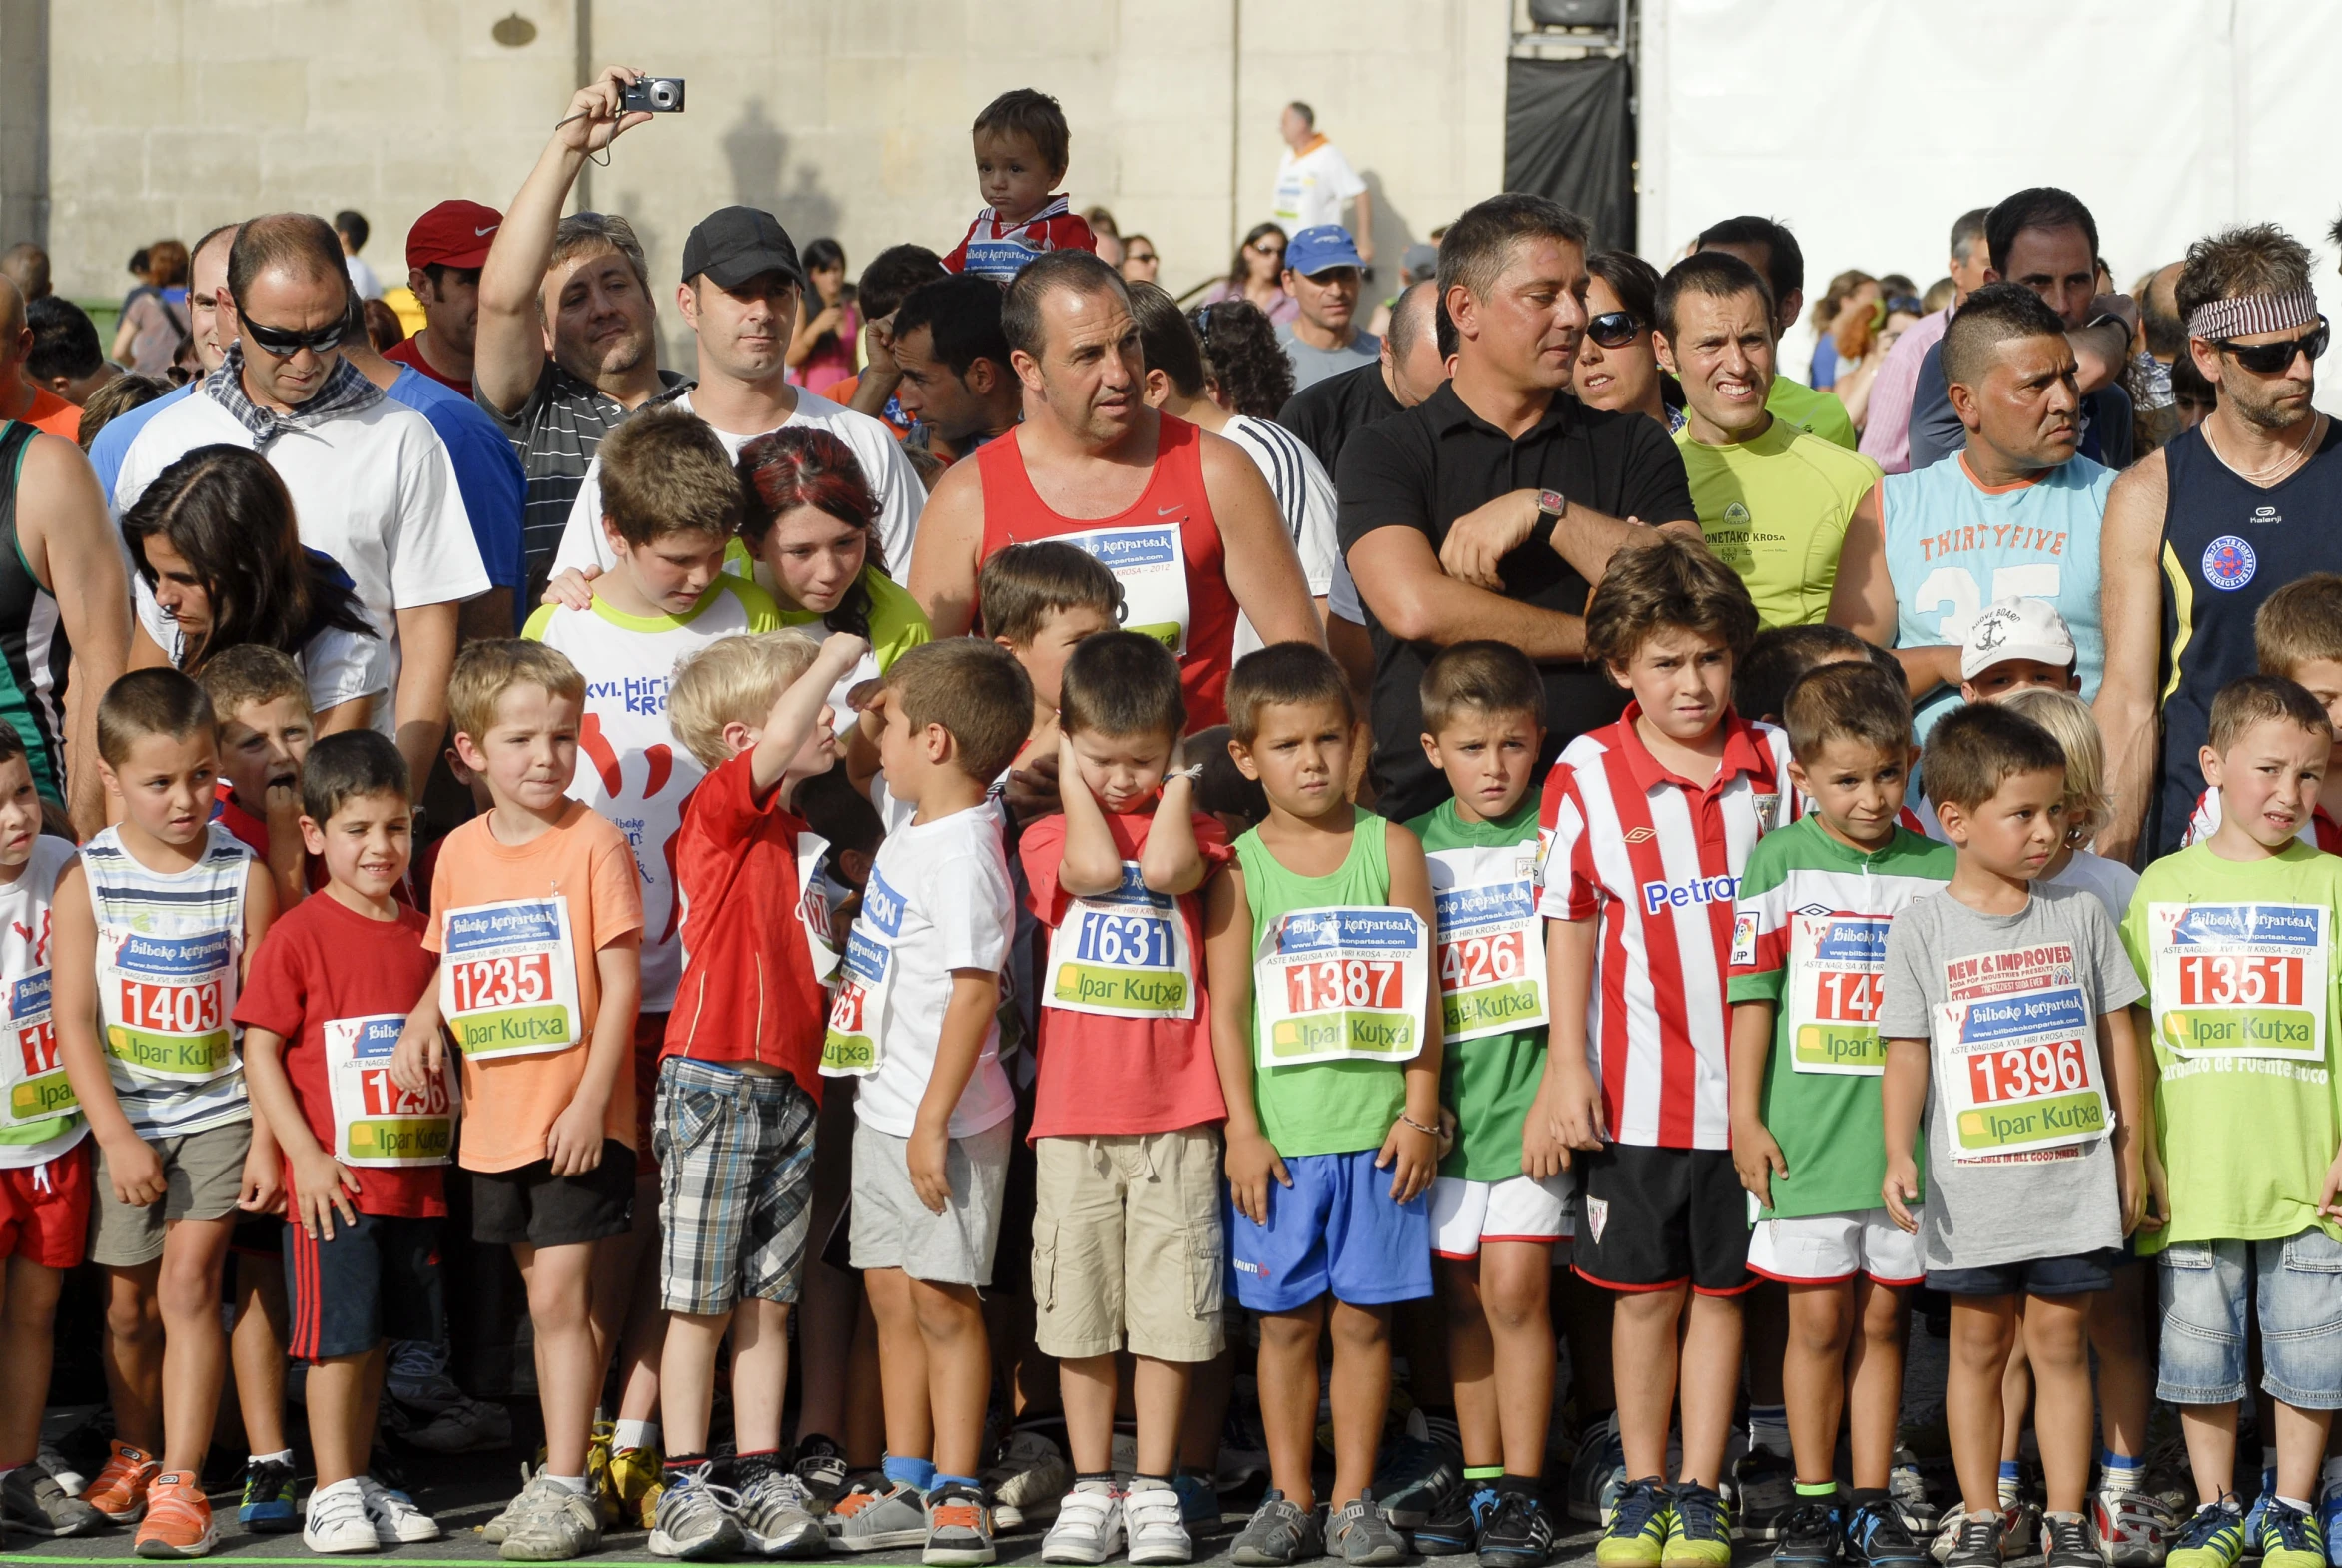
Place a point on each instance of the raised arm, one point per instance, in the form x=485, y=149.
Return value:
x=2130, y=607
x=510, y=353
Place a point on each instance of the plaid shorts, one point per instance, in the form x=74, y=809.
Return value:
x=735, y=1153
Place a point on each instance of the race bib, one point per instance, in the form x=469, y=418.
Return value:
x=1122, y=954
x=508, y=979
x=1835, y=966
x=1342, y=983
x=1491, y=942
x=1150, y=562
x=2016, y=1055
x=2240, y=979
x=816, y=901
x=166, y=1002
x=855, y=1043
x=36, y=1084
x=376, y=1123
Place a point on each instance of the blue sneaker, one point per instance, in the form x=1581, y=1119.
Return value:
x=1454, y=1529
x=1199, y=1498
x=267, y=1506
x=2258, y=1512
x=1877, y=1538
x=2330, y=1522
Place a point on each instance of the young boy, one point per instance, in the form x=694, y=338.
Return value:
x=536, y=917
x=1128, y=1092
x=265, y=732
x=1326, y=1027
x=1809, y=944
x=1041, y=601
x=2015, y=643
x=152, y=941
x=914, y=1020
x=2234, y=938
x=1022, y=147
x=44, y=1165
x=2005, y=1013
x=670, y=506
x=1500, y=1202
x=1646, y=824
x=739, y=1088
x=322, y=1012
x=2297, y=635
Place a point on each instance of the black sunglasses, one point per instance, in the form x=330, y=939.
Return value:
x=2267, y=358
x=283, y=342
x=1614, y=329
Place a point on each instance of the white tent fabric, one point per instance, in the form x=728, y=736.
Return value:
x=1868, y=128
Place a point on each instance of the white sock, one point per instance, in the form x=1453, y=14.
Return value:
x=634, y=1434
x=575, y=1483
x=283, y=1456
x=2296, y=1504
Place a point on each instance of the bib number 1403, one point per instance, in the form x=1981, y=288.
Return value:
x=176, y=1010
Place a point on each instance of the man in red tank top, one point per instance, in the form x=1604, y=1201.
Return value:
x=1182, y=516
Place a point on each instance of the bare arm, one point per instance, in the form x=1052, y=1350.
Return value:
x=880, y=373
x=1903, y=1092
x=1364, y=229
x=322, y=1185
x=1263, y=573
x=943, y=555
x=574, y=1146
x=1170, y=861
x=2130, y=609
x=1863, y=598
x=145, y=652
x=133, y=1167
x=1478, y=541
x=70, y=547
x=426, y=657
x=1252, y=1162
x=976, y=994
x=1400, y=581
x=2100, y=351
x=1569, y=1078
x=356, y=713
x=797, y=709
x=1090, y=864
x=510, y=351
x=2118, y=1050
x=1755, y=1152
x=1409, y=1153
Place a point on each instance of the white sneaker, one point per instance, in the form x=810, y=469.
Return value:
x=396, y=1521
x=1088, y=1526
x=1156, y=1525
x=337, y=1520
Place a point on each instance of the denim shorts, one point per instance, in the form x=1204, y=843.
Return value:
x=2076, y=1273
x=2203, y=1287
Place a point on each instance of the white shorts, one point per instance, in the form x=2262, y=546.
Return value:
x=1467, y=1213
x=1821, y=1249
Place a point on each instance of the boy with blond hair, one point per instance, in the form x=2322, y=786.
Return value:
x=536, y=918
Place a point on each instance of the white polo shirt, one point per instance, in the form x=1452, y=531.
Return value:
x=1311, y=186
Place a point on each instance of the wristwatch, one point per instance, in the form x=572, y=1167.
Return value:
x=1551, y=504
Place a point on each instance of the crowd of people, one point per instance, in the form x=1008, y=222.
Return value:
x=1466, y=922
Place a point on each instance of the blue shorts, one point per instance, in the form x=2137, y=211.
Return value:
x=1335, y=1229
x=2077, y=1274
x=376, y=1280
x=2204, y=1285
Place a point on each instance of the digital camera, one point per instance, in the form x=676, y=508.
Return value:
x=654, y=93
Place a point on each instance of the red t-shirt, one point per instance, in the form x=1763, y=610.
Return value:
x=323, y=961
x=1100, y=1074
x=408, y=350
x=748, y=992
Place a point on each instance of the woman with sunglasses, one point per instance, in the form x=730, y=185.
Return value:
x=1617, y=369
x=220, y=562
x=1140, y=260
x=1258, y=274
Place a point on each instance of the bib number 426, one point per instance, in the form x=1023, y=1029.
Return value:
x=1483, y=960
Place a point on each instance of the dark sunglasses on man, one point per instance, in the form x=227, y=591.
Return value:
x=283, y=342
x=2268, y=359
x=1614, y=329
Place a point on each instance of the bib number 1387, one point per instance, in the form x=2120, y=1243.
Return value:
x=1339, y=983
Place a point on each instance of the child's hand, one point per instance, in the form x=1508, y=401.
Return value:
x=1577, y=1109
x=1411, y=1156
x=262, y=1191
x=135, y=1171
x=925, y=1153
x=1252, y=1162
x=840, y=652
x=1757, y=1158
x=282, y=803
x=320, y=1187
x=418, y=1059
x=574, y=590
x=1544, y=1151
x=1902, y=1188
x=574, y=1146
x=2130, y=1186
x=2328, y=1207
x=2158, y=1210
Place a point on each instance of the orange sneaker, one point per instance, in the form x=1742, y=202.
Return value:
x=120, y=1491
x=179, y=1518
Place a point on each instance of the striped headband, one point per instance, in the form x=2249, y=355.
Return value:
x=2253, y=313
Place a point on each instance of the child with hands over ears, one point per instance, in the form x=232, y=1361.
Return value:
x=1326, y=1026
x=537, y=916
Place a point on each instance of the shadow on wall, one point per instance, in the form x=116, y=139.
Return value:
x=1394, y=233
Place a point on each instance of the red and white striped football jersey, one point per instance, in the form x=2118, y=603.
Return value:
x=1658, y=860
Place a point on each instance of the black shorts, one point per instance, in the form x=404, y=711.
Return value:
x=2076, y=1273
x=1655, y=1218
x=529, y=1205
x=376, y=1279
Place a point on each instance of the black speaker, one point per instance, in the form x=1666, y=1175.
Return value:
x=1575, y=13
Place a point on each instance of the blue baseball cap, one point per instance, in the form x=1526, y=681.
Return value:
x=1322, y=249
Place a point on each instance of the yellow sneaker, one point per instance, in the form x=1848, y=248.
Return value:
x=1638, y=1525
x=1699, y=1530
x=597, y=1473
x=638, y=1476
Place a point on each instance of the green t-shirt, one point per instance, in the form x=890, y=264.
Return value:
x=1484, y=874
x=2246, y=1115
x=1807, y=410
x=1775, y=509
x=1810, y=936
x=897, y=623
x=1321, y=1108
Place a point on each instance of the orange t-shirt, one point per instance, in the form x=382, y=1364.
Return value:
x=511, y=1103
x=53, y=413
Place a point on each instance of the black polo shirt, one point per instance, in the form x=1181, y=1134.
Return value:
x=1326, y=414
x=1434, y=463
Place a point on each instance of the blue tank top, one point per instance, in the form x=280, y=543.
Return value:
x=1952, y=547
x=2227, y=545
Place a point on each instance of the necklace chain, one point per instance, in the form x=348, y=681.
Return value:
x=2279, y=469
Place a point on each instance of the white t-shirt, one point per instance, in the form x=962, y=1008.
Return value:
x=363, y=279
x=892, y=479
x=1305, y=499
x=2110, y=881
x=375, y=489
x=951, y=879
x=630, y=766
x=338, y=666
x=1311, y=186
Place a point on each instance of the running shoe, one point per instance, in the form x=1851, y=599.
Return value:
x=774, y=1512
x=1698, y=1529
x=2066, y=1543
x=1199, y=1498
x=120, y=1491
x=266, y=1504
x=1362, y=1533
x=550, y=1523
x=959, y=1528
x=179, y=1518
x=1598, y=1473
x=1454, y=1529
x=32, y=1500
x=2213, y=1538
x=2290, y=1538
x=636, y=1475
x=1975, y=1541
x=1517, y=1534
x=1154, y=1525
x=1807, y=1535
x=821, y=1465
x=1088, y=1527
x=337, y=1522
x=1876, y=1537
x=2133, y=1526
x=2259, y=1507
x=1418, y=1472
x=878, y=1515
x=397, y=1522
x=1920, y=1517
x=695, y=1519
x=1637, y=1536
x=1026, y=1481
x=2330, y=1522
x=1279, y=1533
x=1765, y=1485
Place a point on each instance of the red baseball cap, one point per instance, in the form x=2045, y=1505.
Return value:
x=453, y=234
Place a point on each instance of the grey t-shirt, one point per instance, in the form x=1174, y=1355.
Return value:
x=1312, y=365
x=2048, y=1202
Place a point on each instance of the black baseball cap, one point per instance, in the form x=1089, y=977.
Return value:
x=733, y=244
